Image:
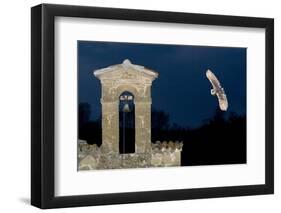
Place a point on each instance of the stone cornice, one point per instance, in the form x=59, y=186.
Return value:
x=126, y=66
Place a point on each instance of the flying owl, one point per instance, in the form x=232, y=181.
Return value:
x=217, y=90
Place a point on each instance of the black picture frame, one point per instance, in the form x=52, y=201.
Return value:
x=43, y=117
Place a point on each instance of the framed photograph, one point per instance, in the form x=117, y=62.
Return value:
x=139, y=106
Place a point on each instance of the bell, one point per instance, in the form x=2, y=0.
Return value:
x=126, y=108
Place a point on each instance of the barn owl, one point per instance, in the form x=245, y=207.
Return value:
x=217, y=90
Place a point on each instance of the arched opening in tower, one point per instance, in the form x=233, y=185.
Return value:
x=126, y=123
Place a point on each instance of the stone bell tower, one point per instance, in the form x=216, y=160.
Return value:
x=115, y=81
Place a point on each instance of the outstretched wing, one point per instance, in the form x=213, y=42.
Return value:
x=213, y=79
x=222, y=100
x=223, y=103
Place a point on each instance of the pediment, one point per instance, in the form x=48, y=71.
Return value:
x=126, y=70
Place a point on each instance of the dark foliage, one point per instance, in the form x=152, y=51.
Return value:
x=87, y=129
x=220, y=140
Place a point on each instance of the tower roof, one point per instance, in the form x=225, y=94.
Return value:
x=126, y=65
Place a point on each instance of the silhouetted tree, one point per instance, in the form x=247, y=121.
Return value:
x=159, y=119
x=219, y=116
x=219, y=140
x=89, y=130
x=84, y=113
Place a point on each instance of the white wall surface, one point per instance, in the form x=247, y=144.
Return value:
x=15, y=106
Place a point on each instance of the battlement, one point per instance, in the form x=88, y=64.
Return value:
x=167, y=146
x=160, y=155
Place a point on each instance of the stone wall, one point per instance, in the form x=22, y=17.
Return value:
x=166, y=154
x=160, y=155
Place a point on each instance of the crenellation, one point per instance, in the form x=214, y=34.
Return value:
x=161, y=154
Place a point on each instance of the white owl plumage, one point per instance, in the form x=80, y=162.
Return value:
x=217, y=90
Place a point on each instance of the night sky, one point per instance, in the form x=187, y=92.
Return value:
x=182, y=89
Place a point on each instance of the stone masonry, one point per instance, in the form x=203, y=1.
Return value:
x=137, y=80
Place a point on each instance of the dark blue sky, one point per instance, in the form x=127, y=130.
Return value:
x=182, y=89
